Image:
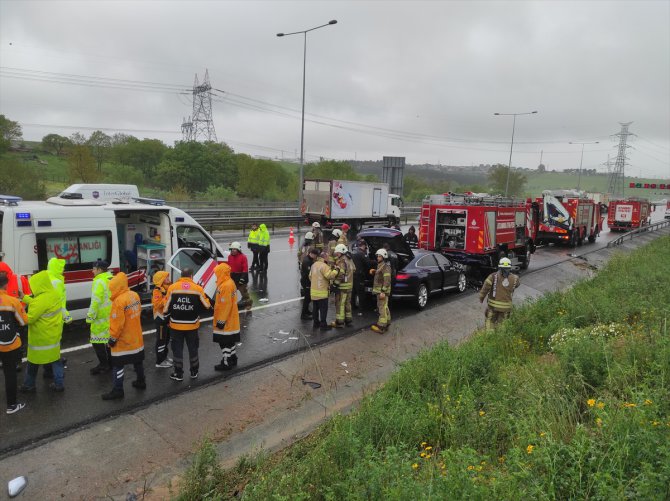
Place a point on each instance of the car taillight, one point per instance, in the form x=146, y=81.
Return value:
x=402, y=276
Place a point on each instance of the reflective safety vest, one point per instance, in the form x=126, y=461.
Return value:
x=100, y=309
x=499, y=291
x=253, y=237
x=263, y=236
x=45, y=321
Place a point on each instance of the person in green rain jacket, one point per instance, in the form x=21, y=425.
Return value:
x=98, y=316
x=45, y=328
x=263, y=247
x=55, y=268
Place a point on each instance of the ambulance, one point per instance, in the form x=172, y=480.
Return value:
x=136, y=235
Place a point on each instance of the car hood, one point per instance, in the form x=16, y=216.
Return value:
x=377, y=237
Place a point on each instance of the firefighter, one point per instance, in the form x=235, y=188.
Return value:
x=125, y=336
x=98, y=316
x=499, y=287
x=45, y=329
x=332, y=243
x=381, y=287
x=184, y=303
x=307, y=261
x=320, y=276
x=252, y=245
x=161, y=282
x=226, y=320
x=263, y=247
x=239, y=272
x=304, y=248
x=344, y=283
x=12, y=319
x=318, y=236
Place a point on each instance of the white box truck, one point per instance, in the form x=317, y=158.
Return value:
x=351, y=202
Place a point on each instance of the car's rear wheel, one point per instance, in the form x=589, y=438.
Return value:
x=462, y=282
x=422, y=297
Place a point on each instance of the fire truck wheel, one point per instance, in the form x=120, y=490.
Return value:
x=462, y=282
x=525, y=262
x=422, y=297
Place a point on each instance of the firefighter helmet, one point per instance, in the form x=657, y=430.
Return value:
x=505, y=263
x=309, y=236
x=236, y=245
x=382, y=253
x=316, y=224
x=337, y=233
x=341, y=248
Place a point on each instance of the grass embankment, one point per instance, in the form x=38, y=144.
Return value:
x=569, y=399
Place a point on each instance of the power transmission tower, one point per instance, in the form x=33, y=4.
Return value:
x=608, y=164
x=616, y=179
x=202, y=124
x=187, y=129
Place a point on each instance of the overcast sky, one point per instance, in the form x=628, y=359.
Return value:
x=406, y=78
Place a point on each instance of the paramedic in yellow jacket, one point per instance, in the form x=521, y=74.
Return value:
x=98, y=316
x=499, y=287
x=226, y=328
x=320, y=276
x=381, y=287
x=45, y=329
x=125, y=335
x=161, y=282
x=344, y=283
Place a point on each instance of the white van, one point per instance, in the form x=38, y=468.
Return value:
x=137, y=237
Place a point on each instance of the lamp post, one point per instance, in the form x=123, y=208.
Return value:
x=302, y=126
x=581, y=159
x=509, y=165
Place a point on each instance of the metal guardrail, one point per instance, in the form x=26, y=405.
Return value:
x=629, y=235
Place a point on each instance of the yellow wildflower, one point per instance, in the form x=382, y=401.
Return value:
x=429, y=447
x=529, y=449
x=423, y=454
x=481, y=413
x=428, y=456
x=423, y=444
x=443, y=466
x=655, y=423
x=470, y=467
x=600, y=405
x=542, y=434
x=591, y=402
x=648, y=402
x=629, y=404
x=599, y=422
x=415, y=466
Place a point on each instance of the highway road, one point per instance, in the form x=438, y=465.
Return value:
x=270, y=331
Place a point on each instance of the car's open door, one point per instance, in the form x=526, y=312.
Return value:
x=201, y=262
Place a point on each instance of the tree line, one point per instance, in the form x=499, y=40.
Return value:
x=192, y=170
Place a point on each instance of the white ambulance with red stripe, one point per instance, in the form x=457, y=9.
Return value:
x=138, y=236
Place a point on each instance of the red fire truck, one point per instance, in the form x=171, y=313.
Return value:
x=568, y=217
x=628, y=214
x=477, y=230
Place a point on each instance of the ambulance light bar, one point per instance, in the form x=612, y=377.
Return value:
x=149, y=201
x=10, y=199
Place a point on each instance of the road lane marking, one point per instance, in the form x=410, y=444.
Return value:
x=151, y=331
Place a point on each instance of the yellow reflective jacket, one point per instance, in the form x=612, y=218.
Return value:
x=45, y=321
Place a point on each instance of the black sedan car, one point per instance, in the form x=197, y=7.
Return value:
x=419, y=273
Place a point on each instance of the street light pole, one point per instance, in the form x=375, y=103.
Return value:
x=581, y=159
x=511, y=147
x=302, y=121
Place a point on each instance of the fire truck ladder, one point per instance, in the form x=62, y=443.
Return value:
x=457, y=199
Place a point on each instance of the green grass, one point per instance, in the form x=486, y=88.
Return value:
x=504, y=416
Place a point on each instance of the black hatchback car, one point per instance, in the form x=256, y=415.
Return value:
x=419, y=273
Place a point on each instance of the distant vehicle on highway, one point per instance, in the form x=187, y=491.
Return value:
x=628, y=214
x=420, y=273
x=334, y=202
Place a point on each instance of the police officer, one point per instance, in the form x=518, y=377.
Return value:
x=98, y=316
x=381, y=287
x=252, y=245
x=499, y=287
x=184, y=303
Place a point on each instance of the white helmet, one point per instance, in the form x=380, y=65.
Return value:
x=236, y=245
x=382, y=253
x=341, y=248
x=505, y=263
x=309, y=236
x=337, y=233
x=316, y=224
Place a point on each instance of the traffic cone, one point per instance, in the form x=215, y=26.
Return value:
x=291, y=238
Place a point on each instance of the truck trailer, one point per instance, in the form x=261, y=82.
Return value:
x=628, y=214
x=333, y=202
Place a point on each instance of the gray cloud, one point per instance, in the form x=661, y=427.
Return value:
x=432, y=69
